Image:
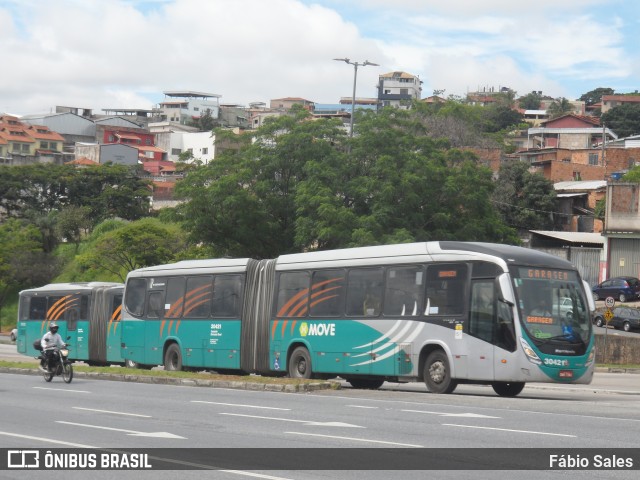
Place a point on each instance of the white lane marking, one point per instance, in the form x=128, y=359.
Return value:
x=256, y=475
x=61, y=390
x=357, y=439
x=109, y=411
x=509, y=430
x=443, y=414
x=128, y=432
x=361, y=406
x=48, y=440
x=306, y=422
x=240, y=405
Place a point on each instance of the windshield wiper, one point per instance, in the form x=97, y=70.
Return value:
x=569, y=338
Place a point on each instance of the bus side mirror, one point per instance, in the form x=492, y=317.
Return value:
x=504, y=290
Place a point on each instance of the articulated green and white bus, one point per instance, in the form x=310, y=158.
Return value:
x=88, y=315
x=443, y=312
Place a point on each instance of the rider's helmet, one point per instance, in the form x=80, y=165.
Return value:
x=53, y=327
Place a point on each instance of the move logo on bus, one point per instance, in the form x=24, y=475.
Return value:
x=318, y=329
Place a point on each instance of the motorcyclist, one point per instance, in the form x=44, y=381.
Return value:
x=49, y=342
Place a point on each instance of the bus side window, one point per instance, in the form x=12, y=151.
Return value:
x=135, y=295
x=364, y=291
x=293, y=294
x=403, y=291
x=37, y=308
x=226, y=296
x=174, y=301
x=446, y=286
x=198, y=297
x=156, y=308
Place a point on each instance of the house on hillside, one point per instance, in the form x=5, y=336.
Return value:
x=398, y=89
x=611, y=101
x=569, y=132
x=577, y=204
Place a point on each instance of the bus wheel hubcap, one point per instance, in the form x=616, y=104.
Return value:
x=437, y=372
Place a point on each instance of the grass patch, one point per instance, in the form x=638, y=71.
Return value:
x=611, y=365
x=201, y=375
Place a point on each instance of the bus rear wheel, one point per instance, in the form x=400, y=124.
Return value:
x=173, y=358
x=437, y=374
x=300, y=363
x=507, y=389
x=365, y=383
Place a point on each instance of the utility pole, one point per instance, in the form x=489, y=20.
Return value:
x=355, y=76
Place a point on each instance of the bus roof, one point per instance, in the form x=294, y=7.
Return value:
x=72, y=286
x=194, y=266
x=425, y=251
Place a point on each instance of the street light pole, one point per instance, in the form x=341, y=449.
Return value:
x=355, y=77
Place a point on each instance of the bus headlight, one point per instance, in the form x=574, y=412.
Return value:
x=592, y=356
x=529, y=352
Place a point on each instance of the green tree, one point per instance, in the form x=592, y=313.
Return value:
x=530, y=101
x=296, y=184
x=23, y=263
x=134, y=245
x=525, y=200
x=559, y=107
x=624, y=119
x=243, y=203
x=397, y=185
x=632, y=175
x=41, y=189
x=205, y=122
x=595, y=96
x=500, y=117
x=72, y=223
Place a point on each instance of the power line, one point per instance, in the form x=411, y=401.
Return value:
x=543, y=211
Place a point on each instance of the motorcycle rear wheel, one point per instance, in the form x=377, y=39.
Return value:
x=67, y=372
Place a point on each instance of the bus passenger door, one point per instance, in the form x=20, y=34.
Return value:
x=506, y=358
x=480, y=342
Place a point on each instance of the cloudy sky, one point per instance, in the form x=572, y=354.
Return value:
x=124, y=53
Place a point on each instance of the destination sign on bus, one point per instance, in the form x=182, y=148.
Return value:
x=547, y=274
x=447, y=273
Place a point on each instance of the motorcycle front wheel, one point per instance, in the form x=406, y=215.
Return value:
x=67, y=372
x=48, y=376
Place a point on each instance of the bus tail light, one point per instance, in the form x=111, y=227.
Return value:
x=530, y=353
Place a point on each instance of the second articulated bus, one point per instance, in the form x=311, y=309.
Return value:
x=88, y=315
x=442, y=312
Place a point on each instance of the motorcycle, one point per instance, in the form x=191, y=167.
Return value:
x=60, y=365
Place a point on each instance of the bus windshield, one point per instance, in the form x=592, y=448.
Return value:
x=552, y=305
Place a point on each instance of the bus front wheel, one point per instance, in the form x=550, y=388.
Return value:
x=173, y=358
x=507, y=389
x=300, y=363
x=437, y=374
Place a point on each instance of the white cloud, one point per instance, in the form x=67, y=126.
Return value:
x=124, y=53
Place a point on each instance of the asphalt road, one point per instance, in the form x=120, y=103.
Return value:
x=105, y=414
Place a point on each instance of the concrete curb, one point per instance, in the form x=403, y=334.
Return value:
x=190, y=382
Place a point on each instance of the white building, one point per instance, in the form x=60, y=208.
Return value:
x=185, y=106
x=398, y=89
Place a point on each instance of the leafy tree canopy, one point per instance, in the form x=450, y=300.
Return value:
x=530, y=101
x=594, y=96
x=132, y=245
x=559, y=107
x=624, y=119
x=525, y=200
x=296, y=184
